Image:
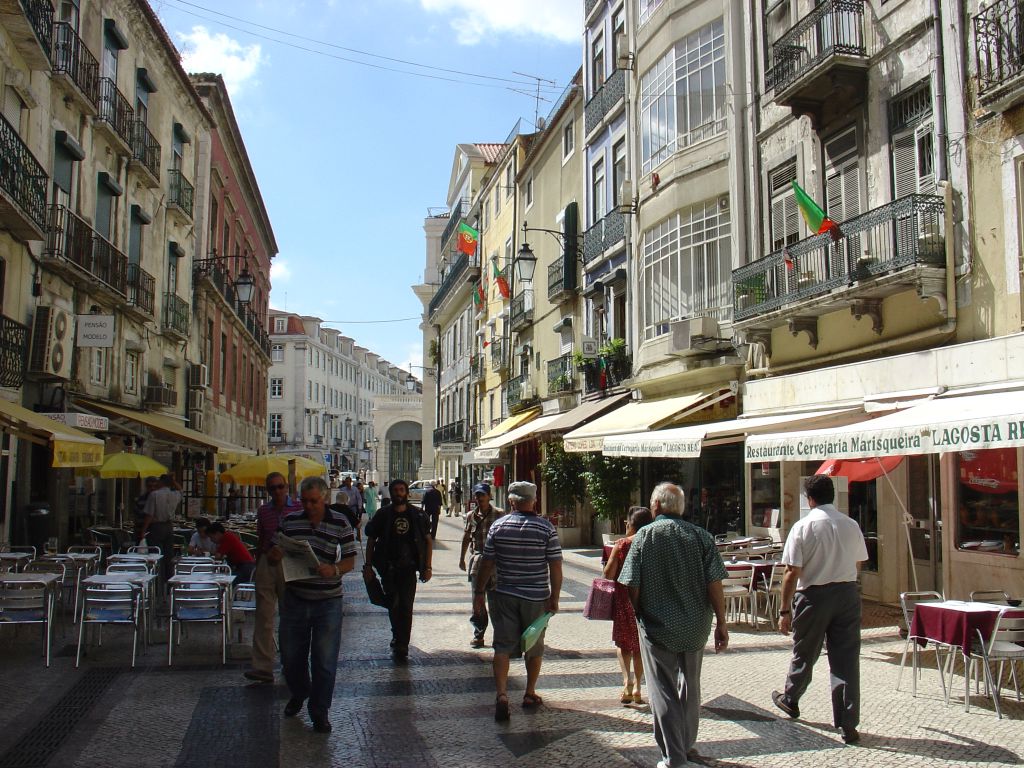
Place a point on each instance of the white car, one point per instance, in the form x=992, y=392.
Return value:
x=416, y=491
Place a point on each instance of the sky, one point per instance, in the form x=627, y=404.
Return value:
x=351, y=158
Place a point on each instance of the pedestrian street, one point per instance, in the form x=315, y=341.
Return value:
x=437, y=709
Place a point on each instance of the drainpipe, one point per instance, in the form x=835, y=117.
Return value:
x=941, y=137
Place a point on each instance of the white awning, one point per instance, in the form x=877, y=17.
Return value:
x=521, y=432
x=687, y=442
x=945, y=424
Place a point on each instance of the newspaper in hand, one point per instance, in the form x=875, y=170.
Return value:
x=299, y=561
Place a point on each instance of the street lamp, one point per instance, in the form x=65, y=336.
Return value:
x=525, y=262
x=244, y=286
x=245, y=283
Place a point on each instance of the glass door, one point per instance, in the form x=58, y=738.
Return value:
x=925, y=524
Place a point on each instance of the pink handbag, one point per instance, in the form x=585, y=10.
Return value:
x=600, y=604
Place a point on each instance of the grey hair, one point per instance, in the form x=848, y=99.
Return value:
x=670, y=497
x=316, y=483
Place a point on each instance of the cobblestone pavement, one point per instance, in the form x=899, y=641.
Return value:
x=437, y=710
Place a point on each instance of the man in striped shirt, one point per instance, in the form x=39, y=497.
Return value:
x=525, y=551
x=310, y=628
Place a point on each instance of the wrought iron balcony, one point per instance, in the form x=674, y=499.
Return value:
x=519, y=393
x=824, y=51
x=450, y=433
x=605, y=234
x=454, y=217
x=180, y=192
x=23, y=185
x=561, y=285
x=602, y=373
x=591, y=4
x=141, y=289
x=146, y=149
x=499, y=361
x=521, y=310
x=13, y=352
x=30, y=25
x=561, y=375
x=175, y=314
x=999, y=42
x=70, y=239
x=115, y=111
x=73, y=61
x=877, y=253
x=607, y=98
x=465, y=269
x=476, y=367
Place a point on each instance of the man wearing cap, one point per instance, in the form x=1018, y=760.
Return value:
x=523, y=548
x=478, y=523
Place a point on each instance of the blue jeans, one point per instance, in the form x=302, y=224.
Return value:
x=310, y=639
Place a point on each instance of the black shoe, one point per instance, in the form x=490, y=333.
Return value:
x=790, y=709
x=321, y=724
x=258, y=677
x=850, y=735
x=400, y=654
x=291, y=709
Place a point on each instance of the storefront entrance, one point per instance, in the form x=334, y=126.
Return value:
x=713, y=485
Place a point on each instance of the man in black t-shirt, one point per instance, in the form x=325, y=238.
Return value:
x=432, y=503
x=399, y=545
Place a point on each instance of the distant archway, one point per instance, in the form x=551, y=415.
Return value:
x=405, y=450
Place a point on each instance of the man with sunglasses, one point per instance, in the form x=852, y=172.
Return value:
x=269, y=577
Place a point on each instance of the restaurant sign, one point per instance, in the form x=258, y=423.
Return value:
x=449, y=449
x=651, y=446
x=583, y=444
x=81, y=421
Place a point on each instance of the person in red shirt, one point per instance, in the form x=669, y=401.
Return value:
x=234, y=552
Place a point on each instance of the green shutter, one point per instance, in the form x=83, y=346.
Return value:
x=570, y=232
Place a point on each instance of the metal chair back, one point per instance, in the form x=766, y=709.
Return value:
x=110, y=604
x=127, y=568
x=996, y=596
x=27, y=602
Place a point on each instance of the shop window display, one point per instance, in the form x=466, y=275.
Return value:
x=713, y=485
x=988, y=509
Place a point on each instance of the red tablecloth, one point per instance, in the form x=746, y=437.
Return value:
x=762, y=568
x=954, y=622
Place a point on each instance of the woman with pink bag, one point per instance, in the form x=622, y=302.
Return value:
x=624, y=632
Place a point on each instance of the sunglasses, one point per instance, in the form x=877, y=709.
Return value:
x=278, y=487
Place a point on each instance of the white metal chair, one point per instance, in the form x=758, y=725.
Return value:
x=771, y=589
x=128, y=568
x=995, y=596
x=908, y=603
x=211, y=568
x=93, y=565
x=197, y=603
x=738, y=588
x=139, y=549
x=111, y=604
x=28, y=602
x=244, y=600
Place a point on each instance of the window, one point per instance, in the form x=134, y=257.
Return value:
x=280, y=324
x=131, y=373
x=223, y=362
x=598, y=200
x=528, y=194
x=988, y=508
x=784, y=226
x=136, y=222
x=309, y=393
x=597, y=62
x=912, y=142
x=98, y=366
x=275, y=425
x=685, y=267
x=568, y=139
x=497, y=202
x=277, y=353
x=618, y=171
x=13, y=108
x=646, y=9
x=106, y=189
x=618, y=34
x=509, y=181
x=682, y=97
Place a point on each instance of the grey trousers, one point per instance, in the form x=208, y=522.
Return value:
x=829, y=612
x=673, y=689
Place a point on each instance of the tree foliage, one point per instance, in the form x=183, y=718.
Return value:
x=610, y=482
x=563, y=475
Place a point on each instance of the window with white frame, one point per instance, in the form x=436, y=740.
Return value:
x=597, y=74
x=645, y=10
x=509, y=185
x=685, y=267
x=277, y=353
x=598, y=199
x=568, y=139
x=784, y=217
x=528, y=193
x=98, y=366
x=280, y=324
x=618, y=171
x=497, y=202
x=618, y=34
x=131, y=373
x=275, y=424
x=682, y=97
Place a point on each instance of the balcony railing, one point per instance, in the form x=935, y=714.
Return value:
x=145, y=148
x=835, y=28
x=70, y=238
x=604, y=101
x=605, y=234
x=116, y=111
x=13, y=352
x=476, y=367
x=604, y=373
x=141, y=288
x=499, y=362
x=458, y=272
x=180, y=192
x=71, y=57
x=31, y=31
x=904, y=233
x=561, y=376
x=214, y=270
x=589, y=8
x=520, y=312
x=450, y=433
x=517, y=391
x=175, y=314
x=22, y=179
x=999, y=41
x=461, y=209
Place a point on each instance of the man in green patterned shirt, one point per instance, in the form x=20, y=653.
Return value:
x=674, y=574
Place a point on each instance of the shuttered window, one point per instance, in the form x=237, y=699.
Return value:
x=842, y=177
x=912, y=142
x=785, y=216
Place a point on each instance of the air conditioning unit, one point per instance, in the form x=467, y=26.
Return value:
x=195, y=420
x=161, y=396
x=527, y=392
x=51, y=343
x=196, y=399
x=198, y=376
x=691, y=336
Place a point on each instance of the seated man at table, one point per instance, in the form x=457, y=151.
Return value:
x=201, y=543
x=234, y=552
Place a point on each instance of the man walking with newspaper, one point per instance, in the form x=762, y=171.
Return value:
x=311, y=611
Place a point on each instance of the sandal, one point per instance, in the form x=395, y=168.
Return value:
x=627, y=694
x=532, y=701
x=501, y=713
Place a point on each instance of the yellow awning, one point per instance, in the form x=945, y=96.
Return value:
x=635, y=417
x=522, y=432
x=71, y=448
x=510, y=423
x=174, y=429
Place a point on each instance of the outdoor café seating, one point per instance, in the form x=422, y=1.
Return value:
x=118, y=604
x=27, y=598
x=197, y=603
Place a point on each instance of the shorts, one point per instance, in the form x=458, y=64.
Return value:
x=510, y=616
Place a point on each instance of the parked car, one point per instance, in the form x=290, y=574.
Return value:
x=417, y=490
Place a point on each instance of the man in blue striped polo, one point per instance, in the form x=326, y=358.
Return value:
x=310, y=628
x=524, y=549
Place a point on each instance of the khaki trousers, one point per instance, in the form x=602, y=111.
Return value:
x=269, y=589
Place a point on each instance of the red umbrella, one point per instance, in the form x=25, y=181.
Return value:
x=860, y=470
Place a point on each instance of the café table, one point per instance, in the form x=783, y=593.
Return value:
x=142, y=581
x=17, y=559
x=957, y=624
x=149, y=558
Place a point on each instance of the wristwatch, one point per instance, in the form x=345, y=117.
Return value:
x=785, y=612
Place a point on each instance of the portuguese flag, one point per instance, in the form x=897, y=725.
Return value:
x=478, y=295
x=468, y=238
x=815, y=218
x=500, y=280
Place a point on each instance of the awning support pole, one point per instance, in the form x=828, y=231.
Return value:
x=907, y=519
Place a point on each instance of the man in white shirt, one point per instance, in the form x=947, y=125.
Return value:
x=158, y=525
x=821, y=598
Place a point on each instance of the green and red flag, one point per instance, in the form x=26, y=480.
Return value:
x=500, y=280
x=478, y=295
x=815, y=218
x=468, y=238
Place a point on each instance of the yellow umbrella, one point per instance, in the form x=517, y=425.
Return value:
x=130, y=465
x=254, y=470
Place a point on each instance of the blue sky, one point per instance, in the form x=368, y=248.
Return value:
x=349, y=158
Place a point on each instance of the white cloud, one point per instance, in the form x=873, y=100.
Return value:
x=415, y=359
x=280, y=272
x=223, y=55
x=474, y=20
